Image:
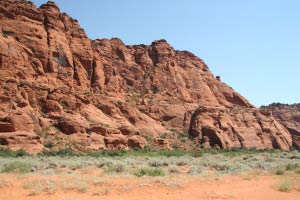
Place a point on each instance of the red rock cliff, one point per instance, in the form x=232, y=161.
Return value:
x=289, y=116
x=69, y=91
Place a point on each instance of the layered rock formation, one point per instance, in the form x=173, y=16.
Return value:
x=238, y=127
x=289, y=116
x=70, y=91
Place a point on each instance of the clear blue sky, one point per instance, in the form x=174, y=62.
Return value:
x=254, y=45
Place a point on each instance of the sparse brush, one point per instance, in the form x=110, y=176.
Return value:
x=220, y=167
x=284, y=186
x=174, y=170
x=117, y=168
x=17, y=166
x=197, y=154
x=279, y=171
x=181, y=163
x=293, y=166
x=7, y=153
x=149, y=172
x=157, y=163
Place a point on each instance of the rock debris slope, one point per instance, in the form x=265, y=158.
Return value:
x=59, y=89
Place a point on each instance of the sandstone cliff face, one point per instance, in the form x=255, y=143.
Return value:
x=289, y=116
x=68, y=90
x=238, y=127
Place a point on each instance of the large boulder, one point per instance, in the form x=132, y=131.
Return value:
x=27, y=141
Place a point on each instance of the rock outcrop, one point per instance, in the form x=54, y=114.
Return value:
x=70, y=91
x=238, y=127
x=289, y=116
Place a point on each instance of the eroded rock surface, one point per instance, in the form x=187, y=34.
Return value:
x=71, y=91
x=289, y=116
x=238, y=127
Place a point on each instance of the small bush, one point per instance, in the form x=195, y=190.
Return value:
x=290, y=167
x=17, y=166
x=150, y=172
x=280, y=172
x=88, y=93
x=12, y=154
x=220, y=167
x=174, y=170
x=49, y=145
x=175, y=153
x=181, y=163
x=197, y=154
x=284, y=186
x=61, y=152
x=108, y=153
x=118, y=168
x=157, y=163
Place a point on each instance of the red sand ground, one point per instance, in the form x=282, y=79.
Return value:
x=166, y=188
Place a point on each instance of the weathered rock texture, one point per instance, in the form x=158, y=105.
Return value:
x=74, y=92
x=238, y=127
x=289, y=116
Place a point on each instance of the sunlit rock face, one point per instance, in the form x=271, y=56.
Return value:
x=58, y=86
x=289, y=117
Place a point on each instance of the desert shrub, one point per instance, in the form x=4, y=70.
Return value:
x=175, y=153
x=49, y=145
x=117, y=168
x=279, y=171
x=61, y=152
x=195, y=171
x=174, y=170
x=164, y=136
x=181, y=163
x=196, y=154
x=284, y=186
x=220, y=167
x=12, y=154
x=157, y=163
x=149, y=172
x=108, y=153
x=291, y=167
x=17, y=166
x=88, y=93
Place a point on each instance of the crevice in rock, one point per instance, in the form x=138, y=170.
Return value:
x=92, y=74
x=45, y=22
x=260, y=125
x=238, y=136
x=75, y=74
x=214, y=139
x=153, y=55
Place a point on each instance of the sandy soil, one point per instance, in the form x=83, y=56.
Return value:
x=238, y=187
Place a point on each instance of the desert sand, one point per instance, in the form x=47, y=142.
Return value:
x=241, y=187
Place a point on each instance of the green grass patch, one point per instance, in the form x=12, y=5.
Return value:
x=147, y=171
x=17, y=166
x=61, y=152
x=7, y=153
